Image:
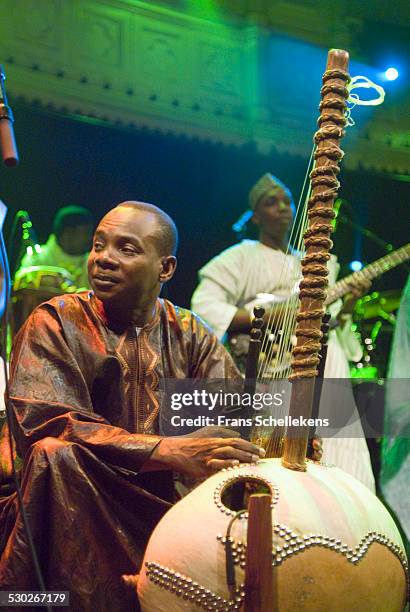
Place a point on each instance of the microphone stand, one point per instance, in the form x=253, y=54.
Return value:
x=10, y=158
x=387, y=246
x=7, y=140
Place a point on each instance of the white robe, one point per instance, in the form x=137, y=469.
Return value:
x=233, y=278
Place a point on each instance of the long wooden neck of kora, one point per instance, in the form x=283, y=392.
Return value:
x=324, y=189
x=373, y=270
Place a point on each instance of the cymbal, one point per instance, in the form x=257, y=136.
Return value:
x=376, y=304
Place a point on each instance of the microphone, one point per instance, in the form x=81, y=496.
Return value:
x=240, y=224
x=7, y=141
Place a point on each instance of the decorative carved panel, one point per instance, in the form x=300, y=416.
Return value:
x=99, y=38
x=221, y=68
x=35, y=22
x=155, y=65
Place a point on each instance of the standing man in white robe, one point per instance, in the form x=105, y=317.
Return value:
x=228, y=289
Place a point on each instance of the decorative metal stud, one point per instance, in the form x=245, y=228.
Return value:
x=352, y=555
x=185, y=587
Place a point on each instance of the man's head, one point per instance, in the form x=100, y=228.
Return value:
x=133, y=253
x=73, y=227
x=272, y=205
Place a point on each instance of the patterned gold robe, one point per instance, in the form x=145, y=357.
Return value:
x=86, y=399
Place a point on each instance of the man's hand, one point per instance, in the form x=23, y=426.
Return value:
x=360, y=288
x=201, y=457
x=213, y=431
x=315, y=449
x=242, y=321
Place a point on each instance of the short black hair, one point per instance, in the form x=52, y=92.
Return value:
x=166, y=234
x=71, y=216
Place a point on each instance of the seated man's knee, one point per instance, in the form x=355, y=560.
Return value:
x=51, y=449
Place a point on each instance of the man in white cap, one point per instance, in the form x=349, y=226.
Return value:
x=246, y=274
x=230, y=282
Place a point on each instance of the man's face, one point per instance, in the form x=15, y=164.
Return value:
x=76, y=240
x=273, y=213
x=124, y=266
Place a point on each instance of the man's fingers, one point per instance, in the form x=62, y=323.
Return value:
x=239, y=443
x=247, y=446
x=215, y=465
x=317, y=447
x=229, y=452
x=213, y=431
x=317, y=454
x=199, y=457
x=223, y=432
x=238, y=451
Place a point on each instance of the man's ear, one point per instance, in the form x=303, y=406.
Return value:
x=255, y=219
x=168, y=267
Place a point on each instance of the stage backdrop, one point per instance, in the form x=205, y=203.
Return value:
x=203, y=186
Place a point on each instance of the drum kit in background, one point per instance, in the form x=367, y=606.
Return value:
x=34, y=285
x=375, y=320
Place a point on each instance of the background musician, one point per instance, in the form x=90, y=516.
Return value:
x=68, y=245
x=228, y=289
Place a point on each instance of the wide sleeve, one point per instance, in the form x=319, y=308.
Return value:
x=50, y=397
x=216, y=297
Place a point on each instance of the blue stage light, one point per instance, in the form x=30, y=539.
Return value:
x=391, y=74
x=355, y=265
